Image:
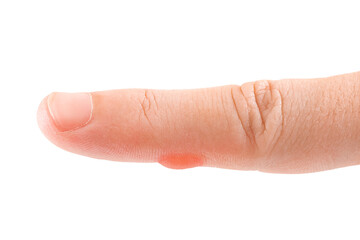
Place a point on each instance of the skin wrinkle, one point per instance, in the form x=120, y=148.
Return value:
x=145, y=109
x=270, y=88
x=256, y=96
x=252, y=139
x=150, y=96
x=293, y=117
x=155, y=101
x=147, y=99
x=237, y=113
x=270, y=107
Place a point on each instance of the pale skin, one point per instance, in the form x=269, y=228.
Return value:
x=278, y=126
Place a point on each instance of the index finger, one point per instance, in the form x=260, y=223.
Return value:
x=289, y=126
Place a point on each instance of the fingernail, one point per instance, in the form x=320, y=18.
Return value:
x=70, y=111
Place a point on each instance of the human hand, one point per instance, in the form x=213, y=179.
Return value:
x=284, y=126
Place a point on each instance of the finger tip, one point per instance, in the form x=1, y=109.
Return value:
x=42, y=115
x=47, y=125
x=79, y=141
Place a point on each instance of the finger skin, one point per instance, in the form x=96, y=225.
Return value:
x=285, y=126
x=148, y=125
x=321, y=125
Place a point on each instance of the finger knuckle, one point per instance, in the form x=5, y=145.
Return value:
x=258, y=107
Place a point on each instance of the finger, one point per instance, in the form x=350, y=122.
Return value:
x=285, y=126
x=178, y=128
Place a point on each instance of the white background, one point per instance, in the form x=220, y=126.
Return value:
x=45, y=46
